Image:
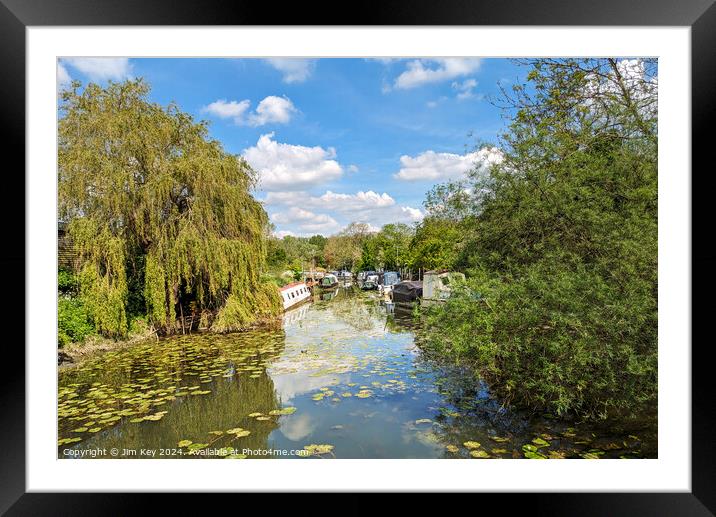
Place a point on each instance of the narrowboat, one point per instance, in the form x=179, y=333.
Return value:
x=387, y=280
x=294, y=293
x=329, y=281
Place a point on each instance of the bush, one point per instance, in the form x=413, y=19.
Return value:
x=66, y=281
x=138, y=326
x=557, y=338
x=73, y=321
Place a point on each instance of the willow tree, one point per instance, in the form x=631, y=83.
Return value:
x=159, y=212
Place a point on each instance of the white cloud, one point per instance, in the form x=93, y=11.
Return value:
x=465, y=88
x=223, y=109
x=353, y=168
x=411, y=214
x=365, y=207
x=291, y=167
x=294, y=215
x=294, y=70
x=332, y=201
x=63, y=76
x=432, y=166
x=352, y=202
x=271, y=109
x=642, y=89
x=426, y=71
x=101, y=68
x=305, y=220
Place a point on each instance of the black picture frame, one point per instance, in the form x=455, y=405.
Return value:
x=17, y=15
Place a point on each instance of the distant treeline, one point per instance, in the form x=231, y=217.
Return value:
x=429, y=244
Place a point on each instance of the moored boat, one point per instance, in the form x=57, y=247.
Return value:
x=437, y=285
x=408, y=291
x=294, y=293
x=387, y=280
x=369, y=285
x=329, y=281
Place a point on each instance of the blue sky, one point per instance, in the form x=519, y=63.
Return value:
x=333, y=140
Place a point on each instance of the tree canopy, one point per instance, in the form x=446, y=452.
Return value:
x=159, y=212
x=560, y=241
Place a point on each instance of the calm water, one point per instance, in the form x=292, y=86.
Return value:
x=340, y=378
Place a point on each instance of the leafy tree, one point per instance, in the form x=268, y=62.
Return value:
x=319, y=243
x=436, y=244
x=561, y=242
x=341, y=252
x=141, y=183
x=393, y=245
x=345, y=250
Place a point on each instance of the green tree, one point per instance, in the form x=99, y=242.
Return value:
x=436, y=244
x=560, y=239
x=142, y=183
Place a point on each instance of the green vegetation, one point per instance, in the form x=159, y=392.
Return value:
x=162, y=217
x=73, y=321
x=559, y=241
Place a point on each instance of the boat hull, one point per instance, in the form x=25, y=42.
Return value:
x=294, y=294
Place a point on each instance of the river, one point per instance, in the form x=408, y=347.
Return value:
x=341, y=377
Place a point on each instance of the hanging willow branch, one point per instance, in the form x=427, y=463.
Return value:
x=138, y=180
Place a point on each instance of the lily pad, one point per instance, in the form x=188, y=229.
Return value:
x=499, y=439
x=472, y=445
x=238, y=432
x=318, y=450
x=283, y=411
x=479, y=454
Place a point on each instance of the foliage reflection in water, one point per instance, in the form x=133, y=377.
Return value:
x=342, y=379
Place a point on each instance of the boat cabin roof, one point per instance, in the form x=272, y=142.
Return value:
x=293, y=284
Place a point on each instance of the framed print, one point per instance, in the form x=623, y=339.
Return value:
x=413, y=251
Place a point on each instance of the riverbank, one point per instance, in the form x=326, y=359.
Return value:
x=74, y=354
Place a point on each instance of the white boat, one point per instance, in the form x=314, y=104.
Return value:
x=294, y=293
x=437, y=285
